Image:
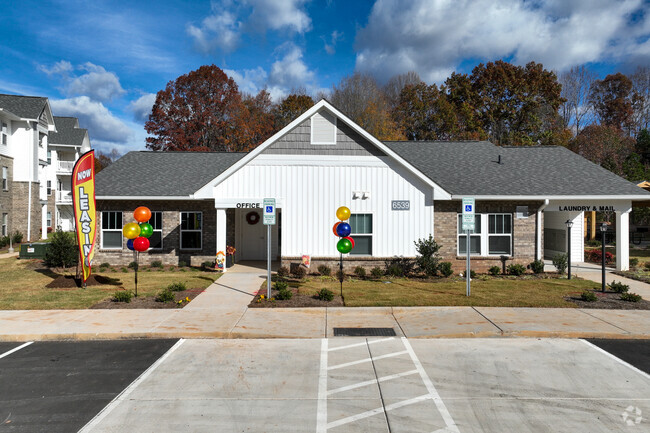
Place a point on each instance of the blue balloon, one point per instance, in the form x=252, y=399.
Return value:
x=343, y=230
x=129, y=244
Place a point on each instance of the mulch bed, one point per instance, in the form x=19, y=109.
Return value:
x=70, y=282
x=296, y=301
x=610, y=301
x=149, y=302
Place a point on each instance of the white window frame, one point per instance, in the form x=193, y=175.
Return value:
x=4, y=134
x=48, y=219
x=5, y=224
x=367, y=235
x=119, y=229
x=484, y=234
x=311, y=130
x=160, y=229
x=180, y=225
x=5, y=178
x=49, y=188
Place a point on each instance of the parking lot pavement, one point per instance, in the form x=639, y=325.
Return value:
x=636, y=353
x=59, y=386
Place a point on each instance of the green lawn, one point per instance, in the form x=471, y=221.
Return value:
x=487, y=291
x=22, y=285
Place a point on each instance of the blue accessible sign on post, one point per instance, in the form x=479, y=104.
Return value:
x=268, y=205
x=468, y=227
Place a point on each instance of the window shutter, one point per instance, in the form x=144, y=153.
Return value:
x=323, y=128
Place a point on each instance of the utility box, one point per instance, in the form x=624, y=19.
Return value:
x=33, y=250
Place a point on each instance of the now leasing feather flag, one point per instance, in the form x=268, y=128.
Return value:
x=83, y=200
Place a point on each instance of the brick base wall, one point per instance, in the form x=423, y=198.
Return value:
x=20, y=199
x=349, y=264
x=6, y=197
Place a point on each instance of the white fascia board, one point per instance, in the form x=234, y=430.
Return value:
x=553, y=197
x=134, y=197
x=206, y=190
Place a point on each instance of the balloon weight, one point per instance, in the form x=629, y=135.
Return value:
x=142, y=214
x=343, y=213
x=334, y=228
x=344, y=246
x=343, y=230
x=141, y=244
x=131, y=230
x=351, y=241
x=129, y=244
x=146, y=230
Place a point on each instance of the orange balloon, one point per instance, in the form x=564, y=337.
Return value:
x=334, y=228
x=142, y=214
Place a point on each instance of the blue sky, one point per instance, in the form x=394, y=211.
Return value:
x=103, y=61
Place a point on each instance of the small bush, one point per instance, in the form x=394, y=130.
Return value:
x=122, y=296
x=156, y=264
x=325, y=295
x=282, y=272
x=472, y=274
x=593, y=243
x=537, y=266
x=124, y=269
x=561, y=261
x=105, y=265
x=399, y=267
x=281, y=285
x=646, y=265
x=428, y=258
x=62, y=250
x=182, y=264
x=165, y=295
x=207, y=265
x=300, y=272
x=284, y=295
x=588, y=296
x=340, y=275
x=177, y=287
x=445, y=269
x=630, y=297
x=618, y=287
x=4, y=241
x=133, y=265
x=324, y=270
x=494, y=270
x=17, y=237
x=596, y=256
x=634, y=262
x=376, y=272
x=516, y=269
x=360, y=271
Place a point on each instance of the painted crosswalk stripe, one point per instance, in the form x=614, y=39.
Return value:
x=16, y=349
x=371, y=382
x=364, y=344
x=377, y=411
x=361, y=361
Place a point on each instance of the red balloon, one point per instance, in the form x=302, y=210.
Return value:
x=141, y=244
x=142, y=214
x=350, y=239
x=334, y=228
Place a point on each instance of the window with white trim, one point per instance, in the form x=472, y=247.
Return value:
x=5, y=178
x=5, y=223
x=4, y=132
x=48, y=223
x=492, y=235
x=155, y=240
x=111, y=230
x=323, y=128
x=191, y=230
x=361, y=225
x=49, y=187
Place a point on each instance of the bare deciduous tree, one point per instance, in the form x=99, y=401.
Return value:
x=394, y=87
x=577, y=111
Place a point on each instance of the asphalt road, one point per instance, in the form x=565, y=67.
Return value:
x=335, y=385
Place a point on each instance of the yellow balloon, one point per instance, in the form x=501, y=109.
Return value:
x=131, y=230
x=343, y=213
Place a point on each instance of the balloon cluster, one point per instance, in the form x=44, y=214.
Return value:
x=343, y=230
x=138, y=233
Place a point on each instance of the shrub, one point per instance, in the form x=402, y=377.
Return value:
x=17, y=237
x=646, y=265
x=340, y=275
x=630, y=297
x=300, y=272
x=177, y=287
x=134, y=265
x=516, y=269
x=282, y=272
x=596, y=256
x=560, y=262
x=618, y=287
x=495, y=270
x=324, y=270
x=588, y=296
x=281, y=285
x=165, y=295
x=124, y=269
x=4, y=241
x=376, y=272
x=427, y=258
x=62, y=250
x=634, y=262
x=399, y=267
x=537, y=266
x=156, y=264
x=593, y=243
x=122, y=296
x=472, y=274
x=445, y=269
x=284, y=295
x=360, y=271
x=325, y=295
x=182, y=264
x=105, y=265
x=207, y=265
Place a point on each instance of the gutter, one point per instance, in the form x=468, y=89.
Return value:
x=538, y=231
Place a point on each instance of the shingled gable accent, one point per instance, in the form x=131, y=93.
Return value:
x=206, y=190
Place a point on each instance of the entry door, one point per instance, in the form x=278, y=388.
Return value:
x=253, y=237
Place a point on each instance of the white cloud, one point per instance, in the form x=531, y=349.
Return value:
x=220, y=30
x=142, y=106
x=433, y=38
x=278, y=14
x=290, y=71
x=330, y=47
x=96, y=82
x=249, y=80
x=102, y=125
x=62, y=67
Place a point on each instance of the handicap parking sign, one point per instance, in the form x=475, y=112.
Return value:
x=269, y=211
x=468, y=208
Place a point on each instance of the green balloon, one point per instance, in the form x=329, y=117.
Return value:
x=344, y=246
x=146, y=230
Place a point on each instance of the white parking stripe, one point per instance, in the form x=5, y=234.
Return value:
x=128, y=390
x=617, y=359
x=15, y=349
x=349, y=346
x=321, y=414
x=371, y=382
x=451, y=425
x=377, y=411
x=361, y=361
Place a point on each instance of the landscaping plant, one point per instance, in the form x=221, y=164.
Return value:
x=284, y=294
x=427, y=258
x=494, y=270
x=588, y=296
x=156, y=264
x=445, y=269
x=17, y=237
x=360, y=271
x=324, y=270
x=376, y=272
x=122, y=296
x=62, y=250
x=177, y=287
x=281, y=285
x=134, y=265
x=516, y=269
x=325, y=295
x=630, y=297
x=282, y=272
x=300, y=272
x=634, y=262
x=618, y=287
x=399, y=267
x=165, y=295
x=537, y=266
x=561, y=261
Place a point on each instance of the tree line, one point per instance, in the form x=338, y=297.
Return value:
x=605, y=120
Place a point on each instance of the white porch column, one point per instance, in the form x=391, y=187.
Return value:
x=623, y=240
x=44, y=221
x=221, y=233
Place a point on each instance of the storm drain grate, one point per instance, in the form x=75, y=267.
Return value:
x=364, y=332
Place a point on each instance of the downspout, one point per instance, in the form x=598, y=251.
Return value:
x=538, y=247
x=29, y=190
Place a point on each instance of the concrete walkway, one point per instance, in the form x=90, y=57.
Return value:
x=222, y=312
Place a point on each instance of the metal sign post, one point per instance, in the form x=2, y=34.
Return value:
x=468, y=227
x=269, y=220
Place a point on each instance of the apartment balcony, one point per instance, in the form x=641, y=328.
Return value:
x=64, y=197
x=64, y=167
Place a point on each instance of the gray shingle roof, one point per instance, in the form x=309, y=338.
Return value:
x=162, y=174
x=27, y=107
x=471, y=168
x=67, y=132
